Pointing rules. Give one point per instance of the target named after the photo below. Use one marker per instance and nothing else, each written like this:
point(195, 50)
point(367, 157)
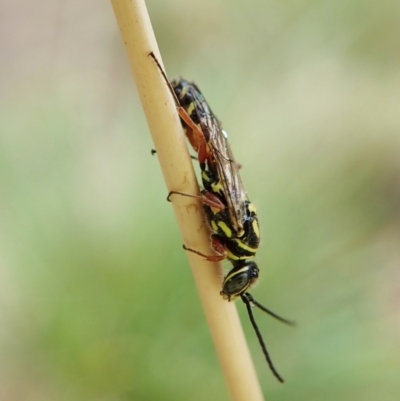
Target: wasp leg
point(183, 194)
point(210, 258)
point(207, 198)
point(195, 135)
point(153, 152)
point(218, 246)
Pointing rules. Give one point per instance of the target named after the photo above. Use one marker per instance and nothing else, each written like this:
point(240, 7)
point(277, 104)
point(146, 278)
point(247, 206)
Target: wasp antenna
point(248, 302)
point(266, 310)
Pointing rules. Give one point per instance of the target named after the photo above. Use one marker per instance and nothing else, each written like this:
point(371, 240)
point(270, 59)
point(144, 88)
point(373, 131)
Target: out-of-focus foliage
point(96, 298)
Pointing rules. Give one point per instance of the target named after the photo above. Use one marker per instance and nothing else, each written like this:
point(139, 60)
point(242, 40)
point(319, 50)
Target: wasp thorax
point(239, 280)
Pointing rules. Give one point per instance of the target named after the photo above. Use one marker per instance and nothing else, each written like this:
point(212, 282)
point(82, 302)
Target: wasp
point(229, 212)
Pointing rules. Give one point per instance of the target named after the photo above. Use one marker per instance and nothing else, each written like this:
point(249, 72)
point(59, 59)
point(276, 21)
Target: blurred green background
point(96, 298)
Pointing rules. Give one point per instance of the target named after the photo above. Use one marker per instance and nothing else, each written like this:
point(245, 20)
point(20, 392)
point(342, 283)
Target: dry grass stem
point(177, 168)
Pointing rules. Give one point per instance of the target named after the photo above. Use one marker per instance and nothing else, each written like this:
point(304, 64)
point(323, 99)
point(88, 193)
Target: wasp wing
point(228, 173)
point(220, 160)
